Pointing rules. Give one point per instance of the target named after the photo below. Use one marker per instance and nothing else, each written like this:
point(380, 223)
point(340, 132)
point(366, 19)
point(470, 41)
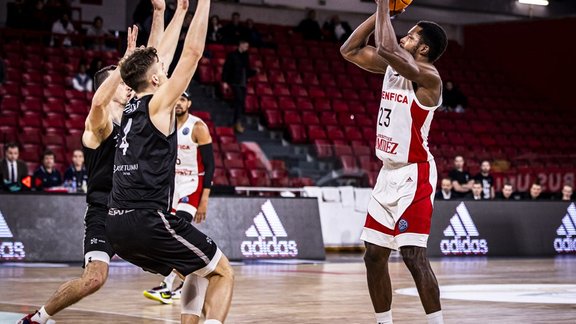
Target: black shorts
point(159, 242)
point(95, 239)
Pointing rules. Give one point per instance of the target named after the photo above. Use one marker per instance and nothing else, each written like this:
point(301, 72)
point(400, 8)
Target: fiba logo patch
point(184, 200)
point(402, 225)
point(186, 131)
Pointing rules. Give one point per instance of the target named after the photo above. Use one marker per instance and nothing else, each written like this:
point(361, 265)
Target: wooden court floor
point(332, 292)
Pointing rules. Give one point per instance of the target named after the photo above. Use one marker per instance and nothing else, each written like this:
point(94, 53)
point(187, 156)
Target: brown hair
point(135, 67)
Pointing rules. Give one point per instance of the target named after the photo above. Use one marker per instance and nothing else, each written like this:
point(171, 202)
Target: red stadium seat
point(32, 90)
point(32, 104)
point(273, 119)
point(323, 148)
point(238, 177)
point(348, 163)
point(316, 132)
point(286, 103)
point(268, 103)
point(310, 118)
point(279, 178)
point(297, 134)
point(328, 118)
point(259, 178)
point(292, 117)
point(231, 147)
point(254, 163)
point(340, 150)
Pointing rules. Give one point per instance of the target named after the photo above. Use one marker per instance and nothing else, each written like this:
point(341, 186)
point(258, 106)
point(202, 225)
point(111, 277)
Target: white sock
point(435, 318)
point(169, 281)
point(212, 321)
point(384, 318)
point(41, 316)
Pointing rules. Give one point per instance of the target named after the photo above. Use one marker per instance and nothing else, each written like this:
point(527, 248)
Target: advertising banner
point(46, 228)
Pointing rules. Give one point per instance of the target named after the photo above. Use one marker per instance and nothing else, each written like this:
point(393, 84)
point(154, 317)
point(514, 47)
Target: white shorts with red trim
point(187, 193)
point(400, 209)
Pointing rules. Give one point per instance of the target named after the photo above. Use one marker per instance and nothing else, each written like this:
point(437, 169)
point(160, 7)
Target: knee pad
point(193, 294)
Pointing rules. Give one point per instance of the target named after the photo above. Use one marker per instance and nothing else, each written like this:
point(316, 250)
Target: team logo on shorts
point(402, 225)
point(184, 200)
point(186, 131)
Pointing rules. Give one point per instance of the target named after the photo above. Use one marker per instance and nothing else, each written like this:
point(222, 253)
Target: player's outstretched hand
point(131, 40)
point(183, 5)
point(159, 5)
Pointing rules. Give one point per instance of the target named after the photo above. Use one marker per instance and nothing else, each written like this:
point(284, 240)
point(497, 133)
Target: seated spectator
point(309, 27)
point(63, 26)
point(486, 179)
point(12, 170)
point(535, 191)
point(477, 191)
point(453, 99)
point(234, 31)
point(46, 176)
point(338, 30)
point(82, 81)
point(253, 36)
point(446, 190)
point(96, 65)
point(567, 192)
point(214, 34)
point(461, 180)
point(76, 177)
point(98, 34)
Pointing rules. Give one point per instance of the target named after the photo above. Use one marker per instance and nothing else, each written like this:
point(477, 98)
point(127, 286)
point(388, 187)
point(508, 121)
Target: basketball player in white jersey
point(400, 209)
point(194, 173)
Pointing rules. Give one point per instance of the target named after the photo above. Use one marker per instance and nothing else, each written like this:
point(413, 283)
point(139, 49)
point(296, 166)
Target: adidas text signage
point(462, 236)
point(10, 250)
point(269, 238)
point(566, 240)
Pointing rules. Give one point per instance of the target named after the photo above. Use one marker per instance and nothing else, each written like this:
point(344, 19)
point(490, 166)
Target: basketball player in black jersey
point(140, 226)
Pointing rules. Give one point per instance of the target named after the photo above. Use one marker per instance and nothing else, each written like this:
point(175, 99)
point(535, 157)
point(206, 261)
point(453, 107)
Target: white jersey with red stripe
point(189, 162)
point(403, 123)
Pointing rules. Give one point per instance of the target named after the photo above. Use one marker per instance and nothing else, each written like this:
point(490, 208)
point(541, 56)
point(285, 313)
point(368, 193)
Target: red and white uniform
point(189, 170)
point(400, 209)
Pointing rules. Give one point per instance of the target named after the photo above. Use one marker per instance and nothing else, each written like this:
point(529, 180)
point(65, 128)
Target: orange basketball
point(398, 5)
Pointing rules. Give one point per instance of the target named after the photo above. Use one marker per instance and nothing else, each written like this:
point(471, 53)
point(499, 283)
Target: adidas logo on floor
point(464, 235)
point(566, 242)
point(266, 231)
point(9, 250)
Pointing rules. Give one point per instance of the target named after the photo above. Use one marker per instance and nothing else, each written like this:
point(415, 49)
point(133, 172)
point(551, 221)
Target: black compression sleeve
point(207, 154)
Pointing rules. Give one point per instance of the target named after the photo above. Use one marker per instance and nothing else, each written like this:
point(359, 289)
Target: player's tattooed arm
point(157, 29)
point(169, 41)
point(357, 50)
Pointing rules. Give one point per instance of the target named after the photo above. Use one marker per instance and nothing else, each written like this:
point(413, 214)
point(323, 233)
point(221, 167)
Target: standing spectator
point(214, 30)
point(63, 26)
point(461, 180)
point(309, 27)
point(486, 179)
point(234, 31)
point(567, 192)
point(252, 34)
point(453, 99)
point(235, 75)
point(535, 191)
point(338, 30)
point(506, 193)
point(12, 170)
point(46, 176)
point(76, 177)
point(82, 81)
point(477, 191)
point(36, 17)
point(98, 35)
point(446, 190)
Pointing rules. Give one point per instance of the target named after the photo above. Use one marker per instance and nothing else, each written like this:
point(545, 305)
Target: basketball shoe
point(28, 320)
point(178, 292)
point(159, 294)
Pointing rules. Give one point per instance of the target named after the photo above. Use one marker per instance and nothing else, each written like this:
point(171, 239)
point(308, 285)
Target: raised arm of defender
point(357, 50)
point(157, 29)
point(169, 40)
point(162, 103)
point(98, 125)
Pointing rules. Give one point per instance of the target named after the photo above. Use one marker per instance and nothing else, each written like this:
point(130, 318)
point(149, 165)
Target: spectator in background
point(46, 176)
point(234, 31)
point(535, 191)
point(567, 192)
point(96, 65)
point(461, 180)
point(63, 26)
point(76, 177)
point(82, 81)
point(98, 34)
point(36, 17)
point(252, 34)
point(16, 14)
point(309, 27)
point(214, 30)
point(453, 99)
point(486, 179)
point(338, 30)
point(506, 193)
point(446, 190)
point(235, 75)
point(12, 170)
point(477, 191)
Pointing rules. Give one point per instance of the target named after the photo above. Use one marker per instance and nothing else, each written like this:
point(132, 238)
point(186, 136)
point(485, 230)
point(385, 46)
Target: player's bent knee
point(414, 256)
point(375, 254)
point(224, 269)
point(95, 276)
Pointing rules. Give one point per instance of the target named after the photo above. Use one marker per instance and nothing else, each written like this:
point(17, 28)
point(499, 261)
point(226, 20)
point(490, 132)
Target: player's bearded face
point(181, 107)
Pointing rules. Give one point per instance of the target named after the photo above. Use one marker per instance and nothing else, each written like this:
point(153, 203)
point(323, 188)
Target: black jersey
point(144, 166)
point(99, 165)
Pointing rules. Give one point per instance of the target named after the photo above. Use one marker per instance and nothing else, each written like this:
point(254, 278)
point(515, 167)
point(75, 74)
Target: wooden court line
point(98, 312)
